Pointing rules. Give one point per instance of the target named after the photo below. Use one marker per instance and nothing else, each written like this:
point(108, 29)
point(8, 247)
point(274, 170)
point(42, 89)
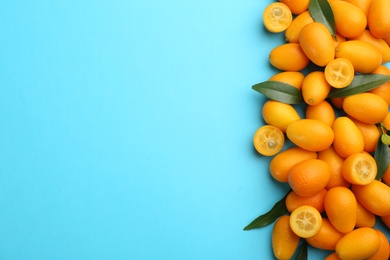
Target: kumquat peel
point(327, 128)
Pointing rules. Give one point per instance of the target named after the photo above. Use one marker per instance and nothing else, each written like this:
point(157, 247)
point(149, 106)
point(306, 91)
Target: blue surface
point(126, 130)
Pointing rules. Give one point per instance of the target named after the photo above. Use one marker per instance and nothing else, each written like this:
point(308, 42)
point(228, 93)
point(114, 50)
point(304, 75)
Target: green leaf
point(382, 157)
point(279, 91)
point(302, 251)
point(385, 139)
point(359, 84)
point(278, 210)
point(321, 11)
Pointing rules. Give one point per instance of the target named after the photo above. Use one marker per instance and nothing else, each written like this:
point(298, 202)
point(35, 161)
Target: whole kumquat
point(310, 134)
point(374, 196)
point(317, 43)
point(360, 243)
point(349, 19)
point(341, 208)
point(315, 88)
point(309, 177)
point(289, 57)
point(381, 44)
point(347, 137)
point(364, 56)
point(279, 114)
point(379, 19)
point(366, 107)
point(284, 240)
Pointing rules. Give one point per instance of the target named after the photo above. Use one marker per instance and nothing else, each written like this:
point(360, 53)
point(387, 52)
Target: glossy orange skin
point(383, 251)
point(349, 19)
point(317, 43)
point(347, 137)
point(294, 201)
point(335, 162)
point(293, 78)
point(364, 217)
point(374, 196)
point(370, 135)
point(379, 18)
point(293, 31)
point(364, 56)
point(366, 107)
point(284, 240)
point(297, 6)
point(327, 237)
point(315, 88)
point(279, 114)
point(288, 57)
point(360, 243)
point(323, 112)
point(341, 208)
point(309, 177)
point(310, 134)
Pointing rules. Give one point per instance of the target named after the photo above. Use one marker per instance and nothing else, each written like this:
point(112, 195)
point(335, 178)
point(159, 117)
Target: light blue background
point(126, 129)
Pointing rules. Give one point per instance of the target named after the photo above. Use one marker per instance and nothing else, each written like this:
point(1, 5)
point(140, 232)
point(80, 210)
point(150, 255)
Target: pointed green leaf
point(359, 84)
point(382, 157)
point(278, 210)
point(321, 11)
point(279, 91)
point(302, 251)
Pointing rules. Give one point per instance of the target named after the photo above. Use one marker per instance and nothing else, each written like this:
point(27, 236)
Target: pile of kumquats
point(333, 65)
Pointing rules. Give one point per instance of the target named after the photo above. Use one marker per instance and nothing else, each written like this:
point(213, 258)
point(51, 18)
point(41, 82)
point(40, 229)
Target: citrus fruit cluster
point(330, 101)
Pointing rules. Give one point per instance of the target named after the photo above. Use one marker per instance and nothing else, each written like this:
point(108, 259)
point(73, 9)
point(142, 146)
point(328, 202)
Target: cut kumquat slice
point(339, 73)
point(305, 221)
point(359, 168)
point(277, 17)
point(268, 140)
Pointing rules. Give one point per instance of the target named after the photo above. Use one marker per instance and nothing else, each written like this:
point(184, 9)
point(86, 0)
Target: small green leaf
point(382, 157)
point(302, 251)
point(279, 91)
point(359, 84)
point(321, 11)
point(278, 210)
point(385, 139)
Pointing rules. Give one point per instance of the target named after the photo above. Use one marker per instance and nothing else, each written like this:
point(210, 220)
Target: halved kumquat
point(268, 140)
point(305, 221)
